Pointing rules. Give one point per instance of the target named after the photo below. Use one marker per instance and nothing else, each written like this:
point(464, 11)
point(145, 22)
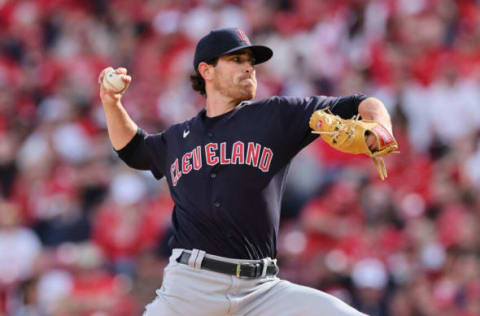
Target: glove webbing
point(349, 132)
point(340, 127)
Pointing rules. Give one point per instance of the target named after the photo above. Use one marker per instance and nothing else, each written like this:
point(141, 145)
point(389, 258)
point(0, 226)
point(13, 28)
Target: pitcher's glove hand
point(350, 136)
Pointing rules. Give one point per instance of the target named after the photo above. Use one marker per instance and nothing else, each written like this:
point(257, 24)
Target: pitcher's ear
point(205, 70)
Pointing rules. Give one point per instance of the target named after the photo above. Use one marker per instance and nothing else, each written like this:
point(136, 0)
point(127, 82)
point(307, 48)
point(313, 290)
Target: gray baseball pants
point(190, 290)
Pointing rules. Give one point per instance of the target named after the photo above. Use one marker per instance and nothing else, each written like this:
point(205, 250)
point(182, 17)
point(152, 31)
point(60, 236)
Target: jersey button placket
point(213, 175)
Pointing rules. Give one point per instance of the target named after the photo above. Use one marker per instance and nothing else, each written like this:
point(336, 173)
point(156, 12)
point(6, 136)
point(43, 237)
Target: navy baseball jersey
point(227, 173)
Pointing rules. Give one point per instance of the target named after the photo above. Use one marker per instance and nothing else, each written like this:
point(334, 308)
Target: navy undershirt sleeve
point(293, 114)
point(346, 107)
point(145, 152)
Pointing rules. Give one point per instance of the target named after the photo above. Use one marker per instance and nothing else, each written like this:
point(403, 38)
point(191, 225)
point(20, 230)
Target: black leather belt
point(241, 270)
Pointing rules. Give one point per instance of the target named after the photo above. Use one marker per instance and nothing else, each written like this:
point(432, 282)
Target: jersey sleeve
point(145, 152)
point(294, 114)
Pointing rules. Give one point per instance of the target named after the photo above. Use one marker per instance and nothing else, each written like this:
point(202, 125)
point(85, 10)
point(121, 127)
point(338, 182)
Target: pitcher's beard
point(242, 94)
point(249, 89)
point(241, 91)
point(247, 94)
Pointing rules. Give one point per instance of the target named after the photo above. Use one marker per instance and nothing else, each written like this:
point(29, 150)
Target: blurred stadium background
point(82, 234)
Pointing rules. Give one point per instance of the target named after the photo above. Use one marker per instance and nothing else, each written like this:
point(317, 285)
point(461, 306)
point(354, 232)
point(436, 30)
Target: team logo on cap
point(243, 36)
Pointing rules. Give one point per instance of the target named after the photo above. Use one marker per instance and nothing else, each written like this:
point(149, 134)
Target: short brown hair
point(197, 81)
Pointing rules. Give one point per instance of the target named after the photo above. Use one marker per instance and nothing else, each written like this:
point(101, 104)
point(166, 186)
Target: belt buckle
point(239, 269)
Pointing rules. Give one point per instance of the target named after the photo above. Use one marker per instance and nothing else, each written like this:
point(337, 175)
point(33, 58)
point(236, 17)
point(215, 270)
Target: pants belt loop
point(193, 257)
point(198, 260)
point(265, 265)
point(176, 253)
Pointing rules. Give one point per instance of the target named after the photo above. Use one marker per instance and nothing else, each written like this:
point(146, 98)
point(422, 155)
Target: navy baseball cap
point(221, 42)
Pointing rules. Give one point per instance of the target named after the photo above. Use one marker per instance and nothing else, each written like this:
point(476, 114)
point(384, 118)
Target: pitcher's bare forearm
point(121, 128)
point(373, 109)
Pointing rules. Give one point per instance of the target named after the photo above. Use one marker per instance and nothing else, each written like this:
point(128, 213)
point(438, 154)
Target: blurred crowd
point(82, 234)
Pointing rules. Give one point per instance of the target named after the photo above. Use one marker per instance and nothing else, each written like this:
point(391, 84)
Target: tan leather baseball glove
point(350, 135)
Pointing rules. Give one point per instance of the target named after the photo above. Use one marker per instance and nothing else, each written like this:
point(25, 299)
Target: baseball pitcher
point(226, 169)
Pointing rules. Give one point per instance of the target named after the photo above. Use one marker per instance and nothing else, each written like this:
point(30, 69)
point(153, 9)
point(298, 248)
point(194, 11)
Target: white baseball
point(114, 82)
